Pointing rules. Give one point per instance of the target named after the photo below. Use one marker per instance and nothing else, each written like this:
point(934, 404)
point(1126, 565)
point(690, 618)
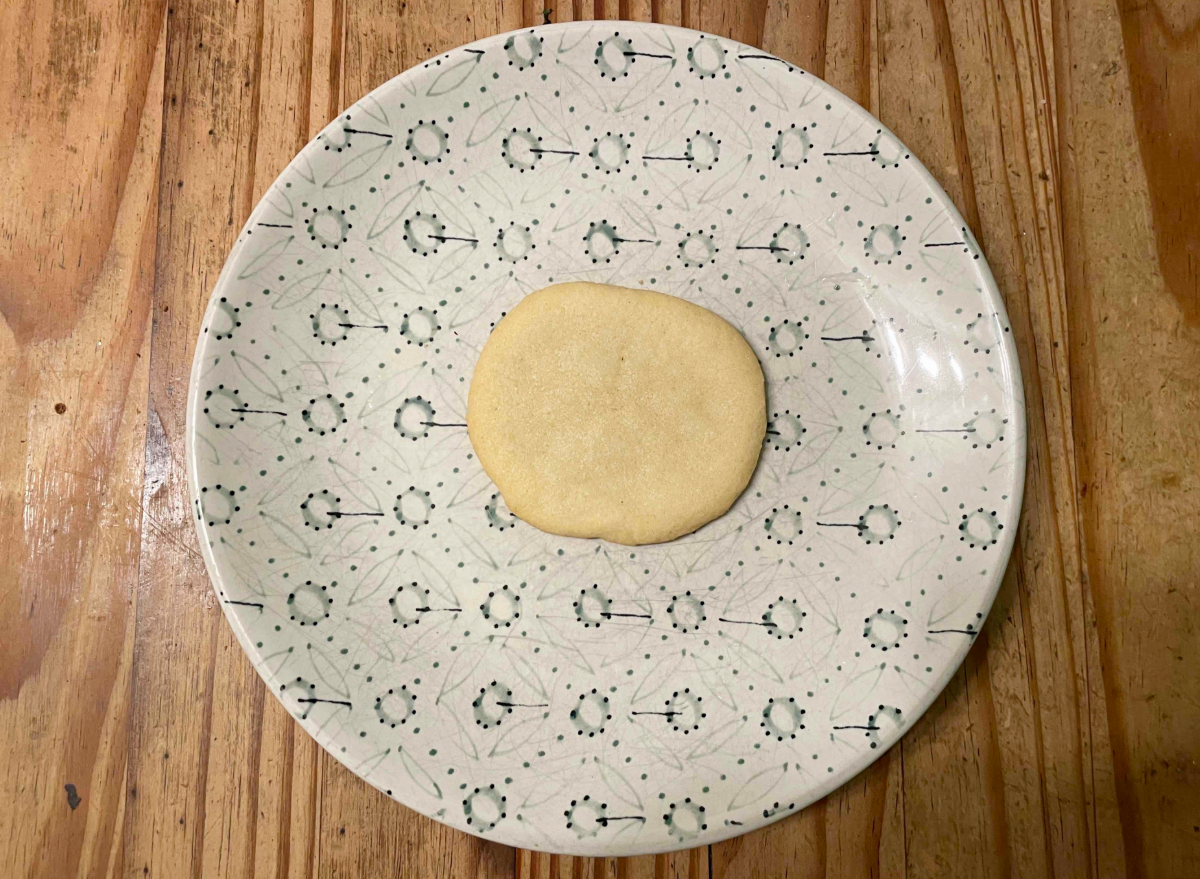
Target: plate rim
point(1012, 384)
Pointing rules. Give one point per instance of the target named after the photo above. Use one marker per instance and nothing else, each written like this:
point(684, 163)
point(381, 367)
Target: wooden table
point(136, 739)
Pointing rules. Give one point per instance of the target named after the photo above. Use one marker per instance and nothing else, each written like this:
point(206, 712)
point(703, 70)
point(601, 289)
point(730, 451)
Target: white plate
point(574, 695)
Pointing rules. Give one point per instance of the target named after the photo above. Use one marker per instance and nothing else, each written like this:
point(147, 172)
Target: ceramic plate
point(576, 695)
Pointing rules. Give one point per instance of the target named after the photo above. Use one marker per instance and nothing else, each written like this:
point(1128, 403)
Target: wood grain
point(141, 135)
point(76, 279)
point(1135, 357)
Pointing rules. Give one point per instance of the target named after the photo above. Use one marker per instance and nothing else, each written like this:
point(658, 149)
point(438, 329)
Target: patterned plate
point(575, 695)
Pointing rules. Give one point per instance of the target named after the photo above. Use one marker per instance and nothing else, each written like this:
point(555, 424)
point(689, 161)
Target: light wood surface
point(137, 741)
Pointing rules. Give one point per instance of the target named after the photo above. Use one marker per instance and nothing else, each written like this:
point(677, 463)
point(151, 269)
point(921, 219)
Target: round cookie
point(624, 414)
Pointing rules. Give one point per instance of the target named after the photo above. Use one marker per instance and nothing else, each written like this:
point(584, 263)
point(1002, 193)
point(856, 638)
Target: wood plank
point(797, 32)
point(1135, 368)
point(795, 845)
point(689, 864)
point(738, 21)
point(1161, 43)
point(849, 60)
point(76, 272)
point(194, 741)
point(325, 69)
point(669, 12)
point(582, 10)
point(386, 839)
point(637, 10)
point(864, 823)
point(559, 10)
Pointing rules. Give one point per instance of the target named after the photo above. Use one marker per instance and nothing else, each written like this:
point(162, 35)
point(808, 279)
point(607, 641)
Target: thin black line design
point(862, 338)
point(604, 819)
point(666, 158)
point(257, 604)
point(523, 705)
point(556, 152)
point(658, 713)
point(854, 153)
point(945, 243)
point(633, 240)
point(958, 631)
point(852, 726)
point(340, 515)
point(442, 424)
point(453, 238)
point(275, 225)
point(762, 58)
point(311, 701)
point(636, 616)
point(644, 55)
point(768, 625)
point(859, 525)
point(770, 247)
point(260, 411)
point(363, 131)
point(364, 326)
point(945, 430)
point(474, 51)
point(439, 609)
